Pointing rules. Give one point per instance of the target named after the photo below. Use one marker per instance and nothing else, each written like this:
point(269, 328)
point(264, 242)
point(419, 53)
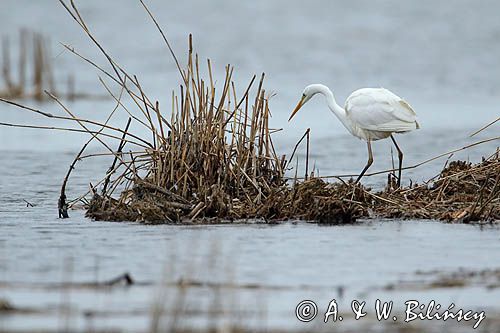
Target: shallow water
point(252, 272)
point(443, 59)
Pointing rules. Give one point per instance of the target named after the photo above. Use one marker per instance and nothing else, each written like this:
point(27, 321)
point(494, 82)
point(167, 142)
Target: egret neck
point(332, 104)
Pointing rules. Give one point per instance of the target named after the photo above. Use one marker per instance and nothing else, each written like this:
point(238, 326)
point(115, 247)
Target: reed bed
point(211, 159)
point(462, 192)
point(43, 77)
point(213, 156)
point(35, 71)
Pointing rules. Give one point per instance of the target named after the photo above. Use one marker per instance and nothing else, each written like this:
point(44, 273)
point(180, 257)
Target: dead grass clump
point(212, 157)
point(462, 192)
point(330, 203)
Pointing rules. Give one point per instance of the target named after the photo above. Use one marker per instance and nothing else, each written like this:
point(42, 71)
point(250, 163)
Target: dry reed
point(35, 62)
point(463, 192)
point(213, 157)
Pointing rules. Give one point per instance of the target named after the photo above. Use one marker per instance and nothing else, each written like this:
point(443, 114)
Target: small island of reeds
point(209, 157)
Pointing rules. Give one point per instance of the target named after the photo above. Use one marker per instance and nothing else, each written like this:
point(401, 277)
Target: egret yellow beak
point(297, 108)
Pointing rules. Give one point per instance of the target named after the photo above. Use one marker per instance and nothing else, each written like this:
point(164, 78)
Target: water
point(443, 59)
point(252, 269)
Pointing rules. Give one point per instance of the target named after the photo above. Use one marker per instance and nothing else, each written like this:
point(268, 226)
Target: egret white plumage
point(369, 114)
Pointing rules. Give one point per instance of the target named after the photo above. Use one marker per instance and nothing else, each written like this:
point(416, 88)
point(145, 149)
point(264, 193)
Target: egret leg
point(400, 156)
point(369, 163)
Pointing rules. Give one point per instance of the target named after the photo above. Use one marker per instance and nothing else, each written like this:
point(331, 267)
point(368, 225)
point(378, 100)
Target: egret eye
point(303, 95)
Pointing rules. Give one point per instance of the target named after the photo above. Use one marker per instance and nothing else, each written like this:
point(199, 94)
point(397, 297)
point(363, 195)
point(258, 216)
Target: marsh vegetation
point(209, 157)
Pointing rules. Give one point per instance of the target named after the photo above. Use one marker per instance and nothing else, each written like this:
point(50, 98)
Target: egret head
point(307, 94)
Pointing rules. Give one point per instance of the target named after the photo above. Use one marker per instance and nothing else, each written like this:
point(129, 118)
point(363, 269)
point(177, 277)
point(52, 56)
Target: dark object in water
point(124, 278)
point(5, 306)
point(62, 207)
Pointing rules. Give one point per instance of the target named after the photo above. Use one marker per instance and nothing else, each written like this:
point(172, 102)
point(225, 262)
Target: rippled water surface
point(442, 57)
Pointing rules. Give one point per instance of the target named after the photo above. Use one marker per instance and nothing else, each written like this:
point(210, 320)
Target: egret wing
point(380, 110)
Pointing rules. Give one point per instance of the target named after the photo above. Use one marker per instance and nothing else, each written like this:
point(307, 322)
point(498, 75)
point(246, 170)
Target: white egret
point(369, 114)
